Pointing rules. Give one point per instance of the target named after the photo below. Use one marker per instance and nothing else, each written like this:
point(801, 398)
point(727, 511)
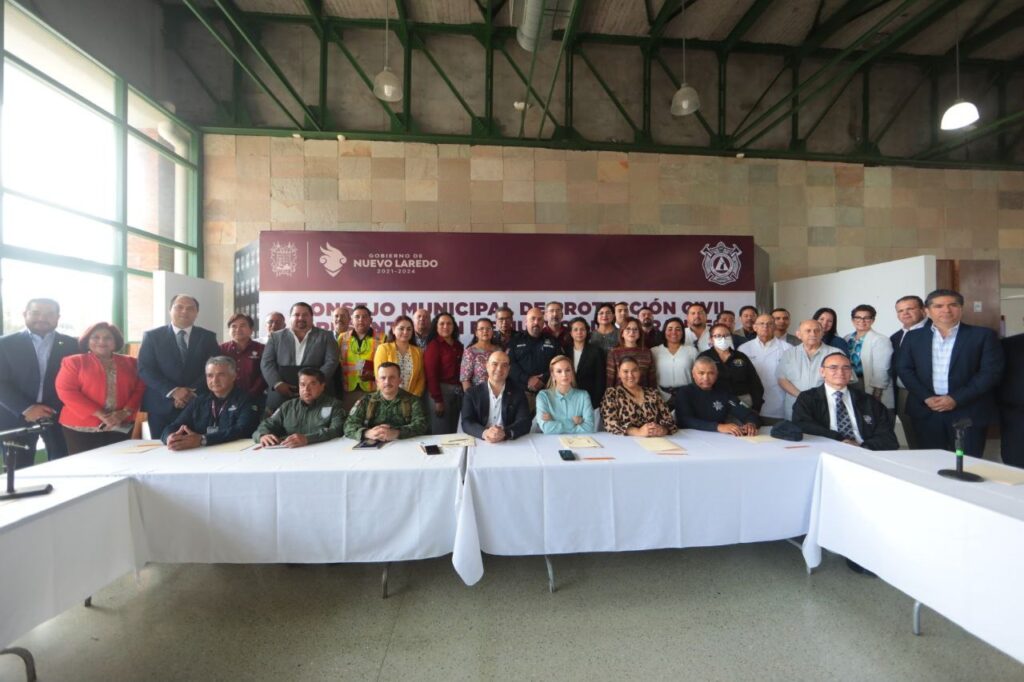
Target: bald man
point(799, 366)
point(530, 351)
point(495, 410)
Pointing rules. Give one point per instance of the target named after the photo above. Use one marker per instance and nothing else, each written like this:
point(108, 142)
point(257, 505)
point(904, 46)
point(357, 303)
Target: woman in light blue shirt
point(561, 407)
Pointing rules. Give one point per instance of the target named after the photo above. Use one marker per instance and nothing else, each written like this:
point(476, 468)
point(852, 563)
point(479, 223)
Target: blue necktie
point(182, 344)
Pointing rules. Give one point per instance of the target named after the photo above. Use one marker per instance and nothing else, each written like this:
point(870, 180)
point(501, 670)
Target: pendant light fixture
point(386, 85)
point(962, 113)
point(686, 101)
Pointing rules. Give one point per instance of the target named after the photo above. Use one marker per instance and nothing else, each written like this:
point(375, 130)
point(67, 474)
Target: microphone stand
point(958, 473)
point(10, 457)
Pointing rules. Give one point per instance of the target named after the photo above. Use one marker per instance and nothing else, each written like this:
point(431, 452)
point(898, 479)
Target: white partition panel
point(878, 285)
point(210, 295)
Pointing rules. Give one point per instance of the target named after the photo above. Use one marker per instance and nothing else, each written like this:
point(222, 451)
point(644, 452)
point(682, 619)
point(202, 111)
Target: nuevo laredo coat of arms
point(721, 263)
point(284, 259)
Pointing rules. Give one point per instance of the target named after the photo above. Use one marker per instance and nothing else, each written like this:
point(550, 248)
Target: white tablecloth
point(57, 549)
point(520, 498)
point(323, 503)
point(956, 547)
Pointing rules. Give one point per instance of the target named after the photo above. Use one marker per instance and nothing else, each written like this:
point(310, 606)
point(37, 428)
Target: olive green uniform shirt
point(373, 410)
point(323, 420)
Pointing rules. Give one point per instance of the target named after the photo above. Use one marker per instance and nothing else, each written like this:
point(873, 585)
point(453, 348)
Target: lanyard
point(214, 412)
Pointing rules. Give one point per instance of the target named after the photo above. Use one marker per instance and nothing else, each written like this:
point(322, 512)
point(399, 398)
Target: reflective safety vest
point(351, 353)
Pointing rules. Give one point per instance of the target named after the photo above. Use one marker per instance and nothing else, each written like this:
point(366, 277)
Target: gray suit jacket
point(321, 352)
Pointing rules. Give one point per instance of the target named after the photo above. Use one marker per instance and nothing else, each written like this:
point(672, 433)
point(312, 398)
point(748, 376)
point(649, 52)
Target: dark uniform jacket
point(810, 413)
point(221, 421)
point(705, 410)
point(738, 376)
point(529, 357)
point(476, 411)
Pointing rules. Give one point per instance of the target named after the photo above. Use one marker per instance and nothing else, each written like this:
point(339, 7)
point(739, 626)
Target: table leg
point(384, 581)
point(26, 656)
point(88, 601)
point(799, 545)
point(551, 574)
point(917, 618)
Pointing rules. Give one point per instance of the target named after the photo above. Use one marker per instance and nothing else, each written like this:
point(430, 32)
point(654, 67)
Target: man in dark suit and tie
point(910, 313)
point(494, 410)
point(29, 361)
point(950, 370)
point(839, 411)
point(172, 361)
point(1011, 402)
point(299, 345)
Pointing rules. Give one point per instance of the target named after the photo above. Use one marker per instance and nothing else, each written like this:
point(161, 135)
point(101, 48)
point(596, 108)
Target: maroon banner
point(404, 261)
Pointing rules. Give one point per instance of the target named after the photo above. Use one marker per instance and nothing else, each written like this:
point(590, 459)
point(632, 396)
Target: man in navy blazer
point(172, 363)
point(29, 361)
point(950, 370)
point(910, 313)
point(512, 419)
point(1011, 402)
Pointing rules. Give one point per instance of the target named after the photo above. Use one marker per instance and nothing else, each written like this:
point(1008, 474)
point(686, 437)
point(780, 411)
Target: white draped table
point(57, 549)
point(520, 498)
point(323, 503)
point(956, 547)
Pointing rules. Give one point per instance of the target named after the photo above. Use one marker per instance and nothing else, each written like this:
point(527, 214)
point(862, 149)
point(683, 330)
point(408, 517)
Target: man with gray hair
point(224, 414)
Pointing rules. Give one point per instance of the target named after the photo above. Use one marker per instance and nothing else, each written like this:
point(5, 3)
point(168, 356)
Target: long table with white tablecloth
point(521, 498)
point(956, 547)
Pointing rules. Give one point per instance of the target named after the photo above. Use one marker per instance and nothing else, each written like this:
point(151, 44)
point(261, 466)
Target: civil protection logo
point(332, 259)
point(721, 263)
point(284, 259)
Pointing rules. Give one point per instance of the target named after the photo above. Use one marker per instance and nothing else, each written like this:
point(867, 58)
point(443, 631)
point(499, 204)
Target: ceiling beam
point(745, 23)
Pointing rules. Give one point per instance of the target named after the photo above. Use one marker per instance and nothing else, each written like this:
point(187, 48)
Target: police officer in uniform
point(530, 353)
point(702, 406)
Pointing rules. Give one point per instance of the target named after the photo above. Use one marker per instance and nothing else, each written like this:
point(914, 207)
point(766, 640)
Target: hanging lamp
point(686, 101)
point(962, 113)
point(386, 85)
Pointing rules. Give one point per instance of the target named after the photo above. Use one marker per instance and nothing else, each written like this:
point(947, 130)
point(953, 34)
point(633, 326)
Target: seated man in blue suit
point(495, 410)
point(171, 362)
point(224, 414)
point(842, 412)
point(29, 361)
point(950, 370)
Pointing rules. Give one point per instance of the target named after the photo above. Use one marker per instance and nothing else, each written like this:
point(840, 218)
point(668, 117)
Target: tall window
point(99, 185)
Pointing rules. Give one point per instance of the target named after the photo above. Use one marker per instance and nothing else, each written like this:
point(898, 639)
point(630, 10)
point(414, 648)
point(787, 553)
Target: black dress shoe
point(857, 568)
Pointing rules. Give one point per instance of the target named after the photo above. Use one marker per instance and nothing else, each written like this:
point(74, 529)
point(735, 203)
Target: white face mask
point(722, 344)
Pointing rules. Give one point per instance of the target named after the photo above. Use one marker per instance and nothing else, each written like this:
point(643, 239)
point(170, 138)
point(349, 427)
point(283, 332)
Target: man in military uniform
point(389, 413)
point(313, 417)
point(224, 414)
point(702, 406)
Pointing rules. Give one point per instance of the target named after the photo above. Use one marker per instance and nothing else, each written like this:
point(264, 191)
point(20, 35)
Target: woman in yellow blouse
point(399, 349)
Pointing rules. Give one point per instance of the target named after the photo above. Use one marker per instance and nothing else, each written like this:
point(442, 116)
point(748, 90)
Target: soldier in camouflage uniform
point(389, 413)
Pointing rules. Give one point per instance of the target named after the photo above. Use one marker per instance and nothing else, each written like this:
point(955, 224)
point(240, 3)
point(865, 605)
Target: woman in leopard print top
point(629, 409)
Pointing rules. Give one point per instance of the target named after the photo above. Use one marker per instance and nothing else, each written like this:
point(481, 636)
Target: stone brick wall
point(811, 218)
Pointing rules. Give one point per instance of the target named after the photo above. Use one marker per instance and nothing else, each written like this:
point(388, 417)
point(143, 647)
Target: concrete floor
point(731, 613)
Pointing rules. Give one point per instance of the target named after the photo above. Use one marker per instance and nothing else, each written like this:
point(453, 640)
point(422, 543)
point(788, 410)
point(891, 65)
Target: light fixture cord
point(956, 28)
point(683, 17)
point(387, 30)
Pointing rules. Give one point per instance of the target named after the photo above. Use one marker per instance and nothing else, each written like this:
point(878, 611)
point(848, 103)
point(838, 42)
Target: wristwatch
point(202, 441)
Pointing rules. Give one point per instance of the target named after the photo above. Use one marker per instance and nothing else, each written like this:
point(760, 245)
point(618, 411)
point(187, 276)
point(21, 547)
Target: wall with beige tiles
point(809, 217)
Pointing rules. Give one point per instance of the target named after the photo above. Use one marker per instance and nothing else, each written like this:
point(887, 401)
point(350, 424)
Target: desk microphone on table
point(959, 473)
point(10, 457)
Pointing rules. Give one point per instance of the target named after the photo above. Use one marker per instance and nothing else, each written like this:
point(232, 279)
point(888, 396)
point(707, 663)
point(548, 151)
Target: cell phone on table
point(567, 455)
point(431, 449)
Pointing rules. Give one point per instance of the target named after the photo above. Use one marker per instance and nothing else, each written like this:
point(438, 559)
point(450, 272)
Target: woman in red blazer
point(101, 391)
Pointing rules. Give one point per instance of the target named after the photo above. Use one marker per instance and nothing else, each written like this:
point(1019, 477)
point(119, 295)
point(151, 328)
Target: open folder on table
point(578, 442)
point(139, 448)
point(661, 446)
point(761, 438)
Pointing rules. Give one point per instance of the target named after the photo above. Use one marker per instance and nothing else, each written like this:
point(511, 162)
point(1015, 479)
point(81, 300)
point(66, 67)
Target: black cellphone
point(431, 449)
point(567, 455)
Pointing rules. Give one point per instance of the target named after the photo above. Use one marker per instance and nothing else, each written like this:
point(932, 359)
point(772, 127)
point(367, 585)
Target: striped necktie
point(843, 424)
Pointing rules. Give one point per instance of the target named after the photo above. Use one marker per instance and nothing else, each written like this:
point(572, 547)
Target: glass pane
point(56, 149)
point(157, 193)
point(84, 297)
point(139, 311)
point(35, 226)
point(157, 126)
point(25, 38)
point(145, 254)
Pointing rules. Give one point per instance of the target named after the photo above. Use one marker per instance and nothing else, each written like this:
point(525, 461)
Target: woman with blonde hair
point(561, 407)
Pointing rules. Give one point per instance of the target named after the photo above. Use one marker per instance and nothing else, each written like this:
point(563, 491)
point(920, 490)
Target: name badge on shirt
point(211, 429)
point(232, 408)
point(868, 419)
point(325, 412)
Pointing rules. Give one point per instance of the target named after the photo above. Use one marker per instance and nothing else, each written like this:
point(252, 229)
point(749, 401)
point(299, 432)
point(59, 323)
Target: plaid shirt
point(942, 352)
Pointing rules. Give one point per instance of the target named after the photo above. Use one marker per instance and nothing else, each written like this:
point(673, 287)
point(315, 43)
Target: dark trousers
point(913, 442)
point(935, 432)
point(53, 439)
point(1012, 429)
point(80, 441)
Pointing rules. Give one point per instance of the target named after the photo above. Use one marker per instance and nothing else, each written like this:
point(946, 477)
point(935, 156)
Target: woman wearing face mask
point(631, 344)
point(736, 373)
point(561, 407)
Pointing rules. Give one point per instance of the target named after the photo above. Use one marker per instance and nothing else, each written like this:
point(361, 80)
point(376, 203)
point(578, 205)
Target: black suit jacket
point(476, 410)
point(810, 413)
point(897, 340)
point(19, 375)
point(162, 369)
point(975, 368)
point(1011, 391)
point(590, 375)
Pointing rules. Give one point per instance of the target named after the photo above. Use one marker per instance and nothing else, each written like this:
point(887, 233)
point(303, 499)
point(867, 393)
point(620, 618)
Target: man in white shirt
point(765, 351)
point(697, 332)
point(494, 410)
point(288, 350)
point(798, 366)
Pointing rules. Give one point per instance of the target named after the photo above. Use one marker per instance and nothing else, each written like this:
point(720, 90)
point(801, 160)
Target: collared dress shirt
point(765, 357)
point(830, 393)
point(802, 371)
point(942, 353)
point(562, 408)
point(43, 345)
